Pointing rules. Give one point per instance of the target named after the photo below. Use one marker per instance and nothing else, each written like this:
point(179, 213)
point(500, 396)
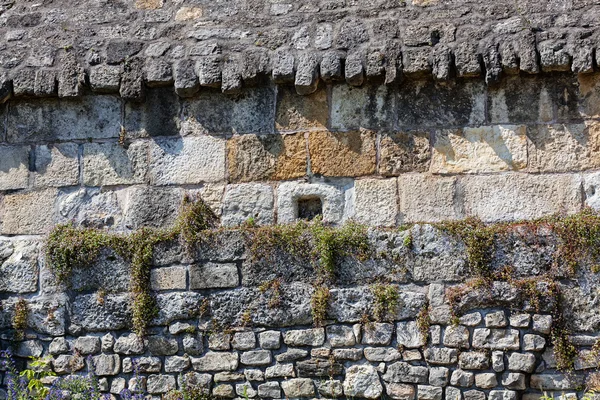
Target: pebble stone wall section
point(389, 112)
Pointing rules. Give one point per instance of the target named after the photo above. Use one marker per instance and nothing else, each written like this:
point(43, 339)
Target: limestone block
point(441, 356)
point(520, 196)
point(400, 391)
point(562, 148)
point(113, 313)
point(377, 334)
point(298, 388)
point(211, 275)
point(474, 360)
point(430, 104)
point(496, 339)
point(19, 266)
point(29, 348)
point(409, 335)
point(405, 151)
point(159, 384)
point(56, 165)
point(87, 344)
point(107, 364)
point(177, 363)
point(256, 358)
point(427, 198)
point(496, 320)
point(479, 150)
point(362, 381)
point(243, 340)
point(361, 107)
point(589, 95)
point(429, 392)
point(512, 380)
point(462, 378)
point(188, 160)
point(162, 346)
point(14, 172)
point(270, 340)
point(342, 154)
point(382, 354)
point(273, 157)
point(486, 380)
point(376, 202)
point(95, 117)
point(301, 113)
point(520, 320)
point(30, 213)
point(340, 336)
point(169, 278)
point(305, 337)
point(456, 336)
point(90, 207)
point(176, 305)
point(66, 364)
point(439, 376)
point(107, 164)
point(270, 390)
point(332, 195)
point(157, 115)
point(105, 78)
point(213, 361)
point(244, 201)
point(149, 206)
point(253, 111)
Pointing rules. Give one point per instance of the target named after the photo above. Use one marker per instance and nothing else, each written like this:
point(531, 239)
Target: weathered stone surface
point(520, 320)
point(427, 198)
point(29, 348)
point(298, 388)
point(456, 336)
point(112, 164)
point(342, 154)
point(168, 278)
point(429, 392)
point(502, 395)
point(402, 372)
point(516, 196)
point(213, 361)
point(256, 358)
point(401, 152)
point(248, 201)
point(496, 339)
point(365, 107)
point(58, 346)
point(177, 364)
point(305, 337)
point(462, 378)
point(399, 391)
point(212, 275)
point(542, 323)
point(378, 334)
point(340, 336)
point(515, 381)
point(44, 120)
point(14, 173)
point(521, 362)
point(28, 213)
point(188, 160)
point(486, 380)
point(112, 314)
point(107, 364)
point(56, 165)
point(66, 364)
point(362, 381)
point(332, 196)
point(270, 340)
point(129, 344)
point(162, 346)
point(19, 266)
point(533, 343)
point(158, 384)
point(89, 207)
point(87, 344)
point(554, 381)
point(439, 376)
point(296, 113)
point(474, 360)
point(480, 150)
point(496, 320)
point(176, 305)
point(382, 354)
point(409, 335)
point(376, 202)
point(276, 157)
point(441, 356)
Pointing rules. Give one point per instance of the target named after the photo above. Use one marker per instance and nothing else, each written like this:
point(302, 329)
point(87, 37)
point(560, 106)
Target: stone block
point(169, 278)
point(429, 104)
point(400, 391)
point(19, 266)
point(382, 354)
point(377, 334)
point(243, 340)
point(298, 388)
point(113, 313)
point(14, 173)
point(301, 113)
point(520, 320)
point(554, 381)
point(87, 344)
point(270, 157)
point(429, 392)
point(533, 343)
point(502, 395)
point(66, 364)
point(90, 207)
point(248, 201)
point(188, 160)
point(362, 381)
point(29, 348)
point(511, 380)
point(213, 361)
point(462, 378)
point(471, 319)
point(439, 376)
point(409, 335)
point(427, 198)
point(521, 362)
point(406, 151)
point(56, 165)
point(162, 346)
point(305, 337)
point(342, 154)
point(564, 147)
point(270, 390)
point(332, 196)
point(441, 356)
point(331, 388)
point(107, 364)
point(88, 117)
point(211, 275)
point(486, 380)
point(496, 339)
point(149, 206)
point(520, 196)
point(376, 202)
point(496, 320)
point(340, 336)
point(370, 107)
point(456, 336)
point(256, 358)
point(30, 213)
point(474, 360)
point(176, 305)
point(106, 164)
point(251, 111)
point(157, 115)
point(160, 384)
point(479, 150)
point(270, 340)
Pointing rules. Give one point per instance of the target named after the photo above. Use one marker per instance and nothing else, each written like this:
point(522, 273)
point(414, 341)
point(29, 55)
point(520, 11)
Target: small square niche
point(309, 207)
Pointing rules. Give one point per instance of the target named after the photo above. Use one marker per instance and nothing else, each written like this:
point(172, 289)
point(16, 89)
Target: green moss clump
point(274, 286)
point(385, 302)
point(424, 323)
point(319, 303)
point(195, 217)
point(19, 320)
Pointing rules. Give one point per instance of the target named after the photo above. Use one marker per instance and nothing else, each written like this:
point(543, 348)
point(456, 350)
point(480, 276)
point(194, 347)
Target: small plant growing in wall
point(385, 302)
point(19, 321)
point(319, 303)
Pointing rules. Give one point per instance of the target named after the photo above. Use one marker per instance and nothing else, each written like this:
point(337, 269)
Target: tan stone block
point(169, 278)
point(563, 148)
point(342, 154)
point(589, 93)
point(56, 165)
point(479, 150)
point(404, 152)
point(376, 202)
point(148, 4)
point(271, 157)
point(14, 167)
point(295, 112)
point(515, 196)
point(188, 13)
point(427, 198)
point(30, 213)
point(113, 164)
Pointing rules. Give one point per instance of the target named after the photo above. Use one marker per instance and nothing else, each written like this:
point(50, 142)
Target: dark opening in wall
point(309, 207)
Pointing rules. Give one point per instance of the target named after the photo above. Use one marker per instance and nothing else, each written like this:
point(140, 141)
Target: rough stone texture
point(276, 157)
point(212, 275)
point(14, 173)
point(342, 154)
point(56, 165)
point(297, 113)
point(248, 201)
point(112, 164)
point(178, 161)
point(332, 196)
point(401, 152)
point(428, 198)
point(376, 202)
point(28, 213)
point(362, 381)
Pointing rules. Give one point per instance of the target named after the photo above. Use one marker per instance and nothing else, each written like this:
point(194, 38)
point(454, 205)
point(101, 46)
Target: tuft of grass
point(385, 302)
point(424, 323)
point(19, 320)
point(319, 303)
